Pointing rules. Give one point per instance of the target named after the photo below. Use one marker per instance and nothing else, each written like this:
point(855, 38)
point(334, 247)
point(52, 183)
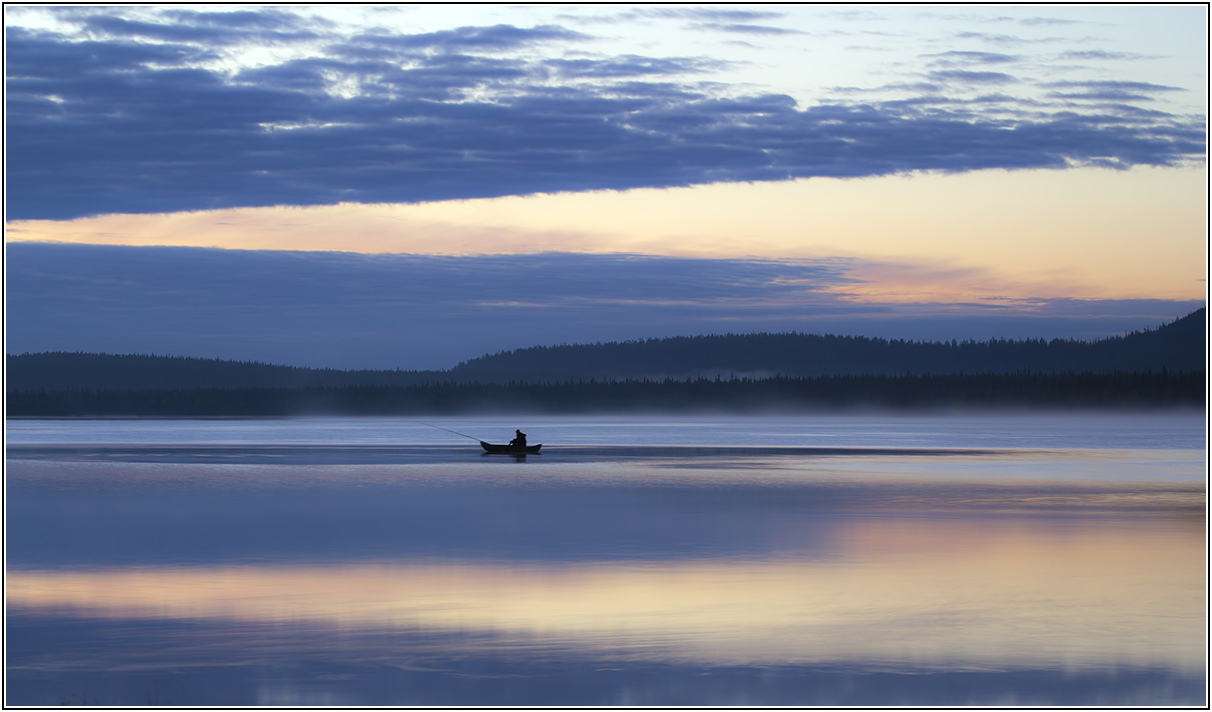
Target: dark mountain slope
point(1114, 391)
point(1179, 345)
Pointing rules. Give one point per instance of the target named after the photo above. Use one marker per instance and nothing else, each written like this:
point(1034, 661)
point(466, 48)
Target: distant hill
point(60, 371)
point(1178, 346)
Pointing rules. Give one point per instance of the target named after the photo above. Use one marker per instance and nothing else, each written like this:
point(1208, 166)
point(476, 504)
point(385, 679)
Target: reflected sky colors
point(960, 564)
point(903, 172)
point(951, 595)
point(1172, 430)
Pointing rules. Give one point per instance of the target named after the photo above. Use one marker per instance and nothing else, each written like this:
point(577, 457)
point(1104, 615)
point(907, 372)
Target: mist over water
point(817, 560)
point(1163, 429)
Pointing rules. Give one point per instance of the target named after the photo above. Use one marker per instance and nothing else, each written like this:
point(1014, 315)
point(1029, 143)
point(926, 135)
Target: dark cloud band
point(406, 311)
point(125, 124)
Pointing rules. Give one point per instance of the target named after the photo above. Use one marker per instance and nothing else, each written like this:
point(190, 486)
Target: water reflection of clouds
point(61, 515)
point(1029, 577)
point(963, 594)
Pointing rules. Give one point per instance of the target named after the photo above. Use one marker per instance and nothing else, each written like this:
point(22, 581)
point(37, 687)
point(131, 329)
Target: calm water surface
point(1026, 559)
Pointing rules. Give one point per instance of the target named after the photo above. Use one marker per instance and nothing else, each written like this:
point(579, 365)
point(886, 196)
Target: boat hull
point(510, 449)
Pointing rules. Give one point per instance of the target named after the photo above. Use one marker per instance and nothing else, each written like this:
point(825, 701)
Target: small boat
point(511, 449)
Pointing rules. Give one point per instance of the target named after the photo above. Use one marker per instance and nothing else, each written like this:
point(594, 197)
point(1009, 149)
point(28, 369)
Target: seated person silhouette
point(520, 440)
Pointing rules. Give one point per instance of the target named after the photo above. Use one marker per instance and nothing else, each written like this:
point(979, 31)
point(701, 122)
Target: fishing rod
point(439, 427)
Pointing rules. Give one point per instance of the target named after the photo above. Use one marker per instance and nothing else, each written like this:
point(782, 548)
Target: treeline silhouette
point(1175, 346)
point(1178, 346)
point(1071, 390)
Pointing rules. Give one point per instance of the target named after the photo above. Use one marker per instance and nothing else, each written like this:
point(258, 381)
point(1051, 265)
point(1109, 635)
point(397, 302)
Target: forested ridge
point(1088, 390)
point(1178, 346)
point(1161, 367)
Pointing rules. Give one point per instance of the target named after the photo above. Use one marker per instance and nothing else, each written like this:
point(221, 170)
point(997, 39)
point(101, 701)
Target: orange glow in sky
point(1081, 233)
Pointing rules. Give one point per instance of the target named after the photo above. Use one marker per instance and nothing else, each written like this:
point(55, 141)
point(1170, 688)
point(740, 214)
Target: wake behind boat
point(510, 449)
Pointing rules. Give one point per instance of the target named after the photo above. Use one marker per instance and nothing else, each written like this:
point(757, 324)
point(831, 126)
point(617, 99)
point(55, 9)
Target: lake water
point(844, 560)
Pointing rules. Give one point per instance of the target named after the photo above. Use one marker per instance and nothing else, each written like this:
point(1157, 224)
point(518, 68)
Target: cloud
point(712, 14)
point(351, 310)
point(1115, 85)
point(1105, 91)
point(119, 125)
point(631, 66)
point(956, 75)
point(744, 28)
point(399, 281)
point(1101, 95)
point(1096, 54)
point(496, 37)
point(957, 57)
point(1003, 39)
point(1033, 21)
point(223, 28)
point(383, 310)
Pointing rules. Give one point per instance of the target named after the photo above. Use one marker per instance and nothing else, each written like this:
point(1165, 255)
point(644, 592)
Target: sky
point(409, 187)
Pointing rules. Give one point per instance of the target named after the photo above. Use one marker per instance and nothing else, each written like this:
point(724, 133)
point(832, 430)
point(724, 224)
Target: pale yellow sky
point(1084, 233)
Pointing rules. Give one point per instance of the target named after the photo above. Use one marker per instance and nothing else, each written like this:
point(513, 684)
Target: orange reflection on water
point(1002, 592)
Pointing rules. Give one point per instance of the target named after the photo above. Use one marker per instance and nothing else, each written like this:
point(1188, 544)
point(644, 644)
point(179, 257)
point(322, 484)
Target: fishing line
point(439, 427)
